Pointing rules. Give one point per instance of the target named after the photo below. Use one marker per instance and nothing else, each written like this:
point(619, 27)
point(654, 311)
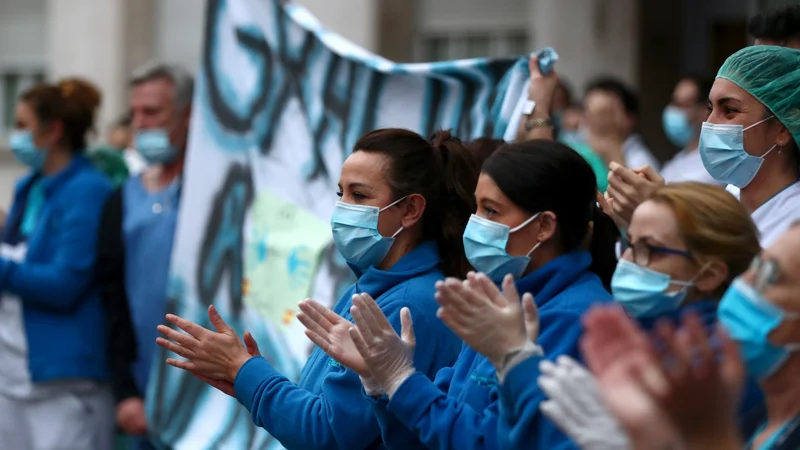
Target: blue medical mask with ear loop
point(356, 235)
point(26, 152)
point(485, 246)
point(676, 126)
point(723, 155)
point(749, 319)
point(154, 146)
point(642, 291)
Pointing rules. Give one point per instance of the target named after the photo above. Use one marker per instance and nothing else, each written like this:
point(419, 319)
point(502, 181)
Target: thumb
point(251, 344)
point(407, 328)
point(217, 321)
point(531, 317)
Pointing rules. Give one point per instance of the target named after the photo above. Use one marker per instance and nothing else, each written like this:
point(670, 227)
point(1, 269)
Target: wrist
point(395, 384)
point(513, 357)
point(372, 387)
point(233, 370)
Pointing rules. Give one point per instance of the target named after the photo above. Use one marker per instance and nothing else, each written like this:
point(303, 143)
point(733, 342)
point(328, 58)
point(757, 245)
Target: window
point(13, 82)
point(473, 44)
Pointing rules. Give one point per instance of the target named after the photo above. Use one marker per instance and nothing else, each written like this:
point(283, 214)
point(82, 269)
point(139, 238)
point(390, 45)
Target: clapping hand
point(491, 322)
point(215, 355)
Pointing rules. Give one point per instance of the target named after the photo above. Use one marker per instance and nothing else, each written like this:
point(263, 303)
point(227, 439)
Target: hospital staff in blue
point(535, 203)
point(404, 203)
point(54, 373)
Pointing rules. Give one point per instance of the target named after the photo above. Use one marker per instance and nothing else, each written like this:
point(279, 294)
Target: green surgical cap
point(771, 75)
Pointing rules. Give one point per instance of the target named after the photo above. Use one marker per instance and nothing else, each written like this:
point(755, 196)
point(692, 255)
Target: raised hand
point(491, 322)
point(226, 387)
point(576, 406)
point(390, 357)
point(217, 355)
point(331, 333)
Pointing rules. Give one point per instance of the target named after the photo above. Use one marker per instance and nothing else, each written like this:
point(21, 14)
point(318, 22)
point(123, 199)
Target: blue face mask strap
point(392, 204)
point(758, 123)
point(389, 206)
point(524, 224)
point(690, 283)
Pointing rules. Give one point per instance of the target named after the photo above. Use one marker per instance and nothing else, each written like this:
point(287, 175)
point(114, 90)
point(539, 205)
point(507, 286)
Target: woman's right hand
point(331, 332)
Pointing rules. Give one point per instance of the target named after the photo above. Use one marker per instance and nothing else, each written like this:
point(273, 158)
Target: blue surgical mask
point(23, 148)
point(676, 126)
point(355, 233)
point(485, 246)
point(749, 319)
point(723, 154)
point(642, 291)
point(154, 146)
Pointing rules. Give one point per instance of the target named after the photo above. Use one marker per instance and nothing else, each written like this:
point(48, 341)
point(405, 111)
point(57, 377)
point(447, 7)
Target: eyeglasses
point(642, 251)
point(767, 272)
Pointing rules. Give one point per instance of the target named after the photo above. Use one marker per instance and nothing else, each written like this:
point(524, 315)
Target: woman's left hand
point(216, 355)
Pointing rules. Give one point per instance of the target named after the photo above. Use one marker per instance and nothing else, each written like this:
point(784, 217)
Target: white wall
point(178, 31)
point(460, 15)
point(592, 37)
point(355, 20)
point(22, 32)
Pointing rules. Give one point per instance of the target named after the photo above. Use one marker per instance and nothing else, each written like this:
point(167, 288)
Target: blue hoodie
point(521, 395)
point(325, 409)
point(460, 408)
point(62, 311)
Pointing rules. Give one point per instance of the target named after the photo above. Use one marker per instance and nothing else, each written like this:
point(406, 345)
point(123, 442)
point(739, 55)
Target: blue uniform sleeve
point(338, 417)
point(300, 419)
point(395, 434)
point(62, 283)
point(442, 422)
point(521, 425)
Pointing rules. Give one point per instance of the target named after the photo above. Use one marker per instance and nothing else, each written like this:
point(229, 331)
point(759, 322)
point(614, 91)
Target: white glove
point(371, 387)
point(389, 357)
point(575, 405)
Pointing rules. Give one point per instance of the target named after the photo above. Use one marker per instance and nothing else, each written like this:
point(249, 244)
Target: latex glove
point(390, 358)
point(490, 322)
point(331, 333)
point(576, 406)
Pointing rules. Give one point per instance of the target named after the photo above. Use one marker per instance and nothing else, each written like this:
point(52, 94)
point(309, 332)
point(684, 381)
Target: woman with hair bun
point(53, 391)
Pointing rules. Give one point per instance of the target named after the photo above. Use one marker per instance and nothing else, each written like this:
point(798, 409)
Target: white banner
point(279, 103)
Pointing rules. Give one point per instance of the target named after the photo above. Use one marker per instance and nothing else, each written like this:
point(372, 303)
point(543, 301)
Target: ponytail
point(605, 235)
point(444, 172)
point(460, 170)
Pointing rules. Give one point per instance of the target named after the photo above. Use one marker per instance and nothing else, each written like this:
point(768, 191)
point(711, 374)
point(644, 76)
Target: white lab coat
point(687, 166)
point(775, 216)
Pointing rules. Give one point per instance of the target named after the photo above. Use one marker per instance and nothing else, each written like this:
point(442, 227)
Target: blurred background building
point(649, 44)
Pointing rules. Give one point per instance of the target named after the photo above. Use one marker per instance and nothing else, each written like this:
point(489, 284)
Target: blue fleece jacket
point(460, 408)
point(62, 311)
point(520, 392)
point(325, 410)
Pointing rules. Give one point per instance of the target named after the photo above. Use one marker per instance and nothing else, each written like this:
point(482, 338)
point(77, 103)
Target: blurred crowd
point(563, 290)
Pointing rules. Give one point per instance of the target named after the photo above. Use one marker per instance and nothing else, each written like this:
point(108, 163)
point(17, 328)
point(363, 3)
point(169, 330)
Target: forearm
point(442, 422)
point(300, 419)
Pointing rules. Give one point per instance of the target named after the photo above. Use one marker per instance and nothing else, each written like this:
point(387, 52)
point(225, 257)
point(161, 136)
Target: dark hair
point(444, 172)
point(704, 85)
point(544, 175)
point(616, 87)
point(72, 101)
point(483, 148)
point(781, 23)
